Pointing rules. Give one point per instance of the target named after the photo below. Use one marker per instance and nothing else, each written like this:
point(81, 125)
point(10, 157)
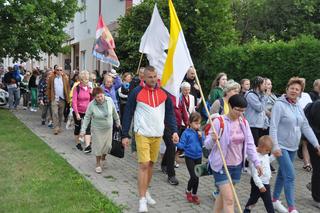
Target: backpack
point(207, 127)
point(17, 75)
point(206, 152)
point(221, 108)
point(76, 86)
point(204, 113)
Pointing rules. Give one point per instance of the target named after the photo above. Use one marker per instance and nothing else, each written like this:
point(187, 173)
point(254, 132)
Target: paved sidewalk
point(119, 180)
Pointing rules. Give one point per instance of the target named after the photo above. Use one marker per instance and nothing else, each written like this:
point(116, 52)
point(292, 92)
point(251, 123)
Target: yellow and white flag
point(178, 60)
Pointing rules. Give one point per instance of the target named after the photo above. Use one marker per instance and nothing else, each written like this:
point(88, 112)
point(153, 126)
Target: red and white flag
point(103, 48)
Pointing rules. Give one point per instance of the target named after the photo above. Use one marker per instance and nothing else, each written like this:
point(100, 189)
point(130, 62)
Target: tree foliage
point(276, 19)
point(276, 60)
point(207, 26)
point(29, 27)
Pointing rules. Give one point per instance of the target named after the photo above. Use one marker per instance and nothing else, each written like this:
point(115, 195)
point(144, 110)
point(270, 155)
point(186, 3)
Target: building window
point(84, 11)
point(83, 60)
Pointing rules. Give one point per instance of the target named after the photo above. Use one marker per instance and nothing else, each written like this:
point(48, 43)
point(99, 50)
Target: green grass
point(33, 178)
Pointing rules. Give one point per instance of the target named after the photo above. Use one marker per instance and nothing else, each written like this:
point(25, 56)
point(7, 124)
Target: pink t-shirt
point(234, 154)
point(81, 101)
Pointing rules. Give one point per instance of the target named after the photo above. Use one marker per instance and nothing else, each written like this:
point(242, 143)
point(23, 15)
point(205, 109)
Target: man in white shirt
point(58, 94)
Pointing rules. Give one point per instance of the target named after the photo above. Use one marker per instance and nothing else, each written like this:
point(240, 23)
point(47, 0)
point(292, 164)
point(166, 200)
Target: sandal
point(98, 170)
point(307, 167)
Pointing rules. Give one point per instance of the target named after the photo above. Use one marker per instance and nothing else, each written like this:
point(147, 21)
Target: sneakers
point(50, 125)
point(79, 147)
point(33, 109)
point(143, 205)
point(87, 149)
point(173, 180)
point(176, 165)
point(43, 123)
point(279, 207)
point(164, 169)
point(189, 197)
point(195, 199)
point(294, 211)
point(150, 201)
point(98, 170)
point(215, 194)
point(246, 210)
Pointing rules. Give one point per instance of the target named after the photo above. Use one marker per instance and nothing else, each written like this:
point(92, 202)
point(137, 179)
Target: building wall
point(82, 35)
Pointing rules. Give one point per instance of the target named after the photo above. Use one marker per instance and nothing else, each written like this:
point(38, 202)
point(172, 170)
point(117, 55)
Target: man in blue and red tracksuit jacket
point(151, 108)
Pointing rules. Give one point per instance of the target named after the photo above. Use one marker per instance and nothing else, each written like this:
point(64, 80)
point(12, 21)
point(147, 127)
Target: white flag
point(155, 41)
point(178, 60)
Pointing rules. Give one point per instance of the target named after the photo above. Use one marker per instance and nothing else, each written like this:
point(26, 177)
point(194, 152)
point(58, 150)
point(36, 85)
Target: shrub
point(278, 61)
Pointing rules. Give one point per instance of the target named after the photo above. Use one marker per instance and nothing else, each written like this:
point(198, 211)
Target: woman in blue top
point(191, 142)
point(286, 125)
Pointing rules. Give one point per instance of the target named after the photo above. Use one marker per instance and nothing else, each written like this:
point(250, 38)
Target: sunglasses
point(59, 69)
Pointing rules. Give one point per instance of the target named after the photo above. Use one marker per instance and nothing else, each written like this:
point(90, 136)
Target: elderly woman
point(102, 113)
point(286, 125)
point(236, 142)
point(221, 105)
point(186, 104)
point(93, 80)
point(256, 112)
point(112, 82)
point(81, 97)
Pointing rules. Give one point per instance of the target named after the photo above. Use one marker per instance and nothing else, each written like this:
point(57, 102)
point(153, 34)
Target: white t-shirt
point(304, 99)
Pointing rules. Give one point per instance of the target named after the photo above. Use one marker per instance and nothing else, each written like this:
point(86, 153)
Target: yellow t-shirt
point(225, 107)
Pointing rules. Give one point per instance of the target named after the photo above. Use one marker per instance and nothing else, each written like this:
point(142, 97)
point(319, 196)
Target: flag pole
point(140, 63)
point(218, 144)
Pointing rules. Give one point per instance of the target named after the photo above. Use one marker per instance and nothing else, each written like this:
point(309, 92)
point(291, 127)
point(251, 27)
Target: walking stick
point(218, 144)
point(139, 63)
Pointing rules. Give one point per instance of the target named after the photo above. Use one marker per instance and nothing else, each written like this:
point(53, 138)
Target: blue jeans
point(221, 177)
point(285, 177)
point(14, 97)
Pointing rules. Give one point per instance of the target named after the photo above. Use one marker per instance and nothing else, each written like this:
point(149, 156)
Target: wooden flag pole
point(139, 63)
point(218, 144)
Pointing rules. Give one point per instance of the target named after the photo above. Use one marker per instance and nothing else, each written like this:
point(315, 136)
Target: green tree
point(207, 26)
point(30, 27)
point(276, 19)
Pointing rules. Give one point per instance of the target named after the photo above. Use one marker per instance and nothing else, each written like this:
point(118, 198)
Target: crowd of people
point(253, 125)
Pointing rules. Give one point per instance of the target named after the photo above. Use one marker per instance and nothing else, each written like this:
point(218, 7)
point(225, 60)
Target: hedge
point(277, 60)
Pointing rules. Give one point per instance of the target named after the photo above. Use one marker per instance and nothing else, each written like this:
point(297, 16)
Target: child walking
point(260, 186)
point(191, 142)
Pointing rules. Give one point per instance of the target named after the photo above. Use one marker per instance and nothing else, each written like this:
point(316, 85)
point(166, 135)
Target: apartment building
point(82, 35)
